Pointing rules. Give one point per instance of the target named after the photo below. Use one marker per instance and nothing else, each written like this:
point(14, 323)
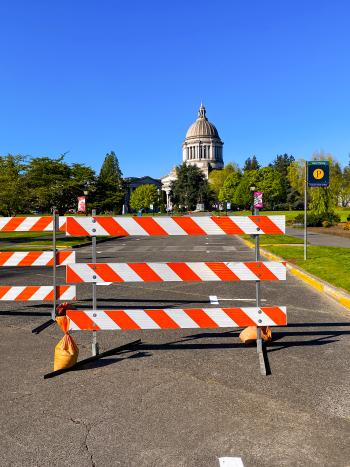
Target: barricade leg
point(259, 345)
point(94, 344)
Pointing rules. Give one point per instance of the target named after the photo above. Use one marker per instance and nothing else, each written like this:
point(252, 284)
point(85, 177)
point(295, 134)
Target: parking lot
point(185, 397)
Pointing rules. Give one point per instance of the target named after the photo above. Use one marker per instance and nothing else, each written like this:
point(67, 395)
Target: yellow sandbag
point(248, 335)
point(66, 351)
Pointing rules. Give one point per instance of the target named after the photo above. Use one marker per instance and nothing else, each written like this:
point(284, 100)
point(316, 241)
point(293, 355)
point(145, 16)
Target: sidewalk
point(318, 239)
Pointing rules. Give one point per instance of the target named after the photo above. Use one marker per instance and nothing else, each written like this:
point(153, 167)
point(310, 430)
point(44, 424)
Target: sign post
point(316, 176)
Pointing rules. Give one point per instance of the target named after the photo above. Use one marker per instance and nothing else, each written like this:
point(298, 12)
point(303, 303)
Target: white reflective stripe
point(246, 224)
point(72, 325)
point(102, 320)
point(142, 319)
point(220, 317)
point(69, 294)
point(280, 221)
point(15, 258)
point(203, 271)
point(43, 259)
point(209, 226)
point(125, 272)
point(61, 221)
point(278, 269)
point(254, 314)
point(170, 226)
point(130, 225)
point(49, 227)
point(88, 225)
point(242, 272)
point(181, 318)
point(13, 293)
point(27, 223)
point(165, 272)
point(4, 221)
point(42, 292)
point(70, 259)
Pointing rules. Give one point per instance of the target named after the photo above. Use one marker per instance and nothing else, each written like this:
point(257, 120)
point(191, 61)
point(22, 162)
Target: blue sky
point(98, 75)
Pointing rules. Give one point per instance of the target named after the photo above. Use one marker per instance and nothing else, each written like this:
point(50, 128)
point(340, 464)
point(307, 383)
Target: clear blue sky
point(90, 76)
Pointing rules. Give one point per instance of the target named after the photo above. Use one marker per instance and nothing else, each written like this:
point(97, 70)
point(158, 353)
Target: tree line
point(35, 185)
point(282, 183)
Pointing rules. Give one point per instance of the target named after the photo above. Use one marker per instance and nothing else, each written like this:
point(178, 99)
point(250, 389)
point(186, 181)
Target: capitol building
point(202, 147)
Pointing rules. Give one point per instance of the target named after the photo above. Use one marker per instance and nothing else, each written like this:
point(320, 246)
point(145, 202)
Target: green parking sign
point(318, 173)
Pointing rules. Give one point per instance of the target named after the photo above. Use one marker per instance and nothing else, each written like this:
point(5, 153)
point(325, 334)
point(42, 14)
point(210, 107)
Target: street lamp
point(252, 189)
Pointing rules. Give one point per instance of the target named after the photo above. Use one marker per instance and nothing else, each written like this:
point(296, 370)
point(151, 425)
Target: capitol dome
point(202, 145)
point(202, 127)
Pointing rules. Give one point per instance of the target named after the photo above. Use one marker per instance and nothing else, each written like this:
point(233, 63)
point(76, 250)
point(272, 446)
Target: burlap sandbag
point(248, 335)
point(66, 351)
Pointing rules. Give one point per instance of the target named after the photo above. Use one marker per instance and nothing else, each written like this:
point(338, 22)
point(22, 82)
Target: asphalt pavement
point(319, 239)
point(186, 397)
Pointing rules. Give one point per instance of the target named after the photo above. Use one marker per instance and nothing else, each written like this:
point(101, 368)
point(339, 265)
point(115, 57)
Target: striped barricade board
point(164, 226)
point(170, 271)
point(30, 224)
point(36, 258)
point(42, 293)
point(172, 318)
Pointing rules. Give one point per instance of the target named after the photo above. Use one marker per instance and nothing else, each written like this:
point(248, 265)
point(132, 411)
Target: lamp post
point(252, 189)
point(86, 195)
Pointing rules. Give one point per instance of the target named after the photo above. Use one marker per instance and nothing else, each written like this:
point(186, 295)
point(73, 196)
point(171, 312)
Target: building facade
point(202, 147)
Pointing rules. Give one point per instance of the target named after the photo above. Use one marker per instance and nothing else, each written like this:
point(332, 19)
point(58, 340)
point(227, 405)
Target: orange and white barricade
point(97, 273)
point(43, 293)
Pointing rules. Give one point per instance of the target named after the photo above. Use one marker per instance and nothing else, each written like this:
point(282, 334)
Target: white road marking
point(104, 283)
point(230, 462)
point(214, 300)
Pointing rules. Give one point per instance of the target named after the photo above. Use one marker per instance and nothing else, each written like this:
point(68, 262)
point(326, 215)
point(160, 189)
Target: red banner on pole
point(81, 203)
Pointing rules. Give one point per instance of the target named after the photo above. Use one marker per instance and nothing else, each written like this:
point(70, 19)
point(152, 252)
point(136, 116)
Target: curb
point(321, 286)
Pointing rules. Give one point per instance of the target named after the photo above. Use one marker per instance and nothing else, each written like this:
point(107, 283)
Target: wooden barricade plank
point(179, 271)
point(173, 318)
point(164, 226)
point(35, 258)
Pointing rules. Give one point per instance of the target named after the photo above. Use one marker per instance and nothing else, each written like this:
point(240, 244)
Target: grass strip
point(276, 239)
point(331, 264)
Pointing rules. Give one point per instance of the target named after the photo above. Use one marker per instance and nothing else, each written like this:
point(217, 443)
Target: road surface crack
point(87, 428)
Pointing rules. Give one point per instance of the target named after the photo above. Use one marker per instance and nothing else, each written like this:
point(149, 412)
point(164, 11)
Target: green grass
point(37, 244)
point(275, 239)
point(328, 263)
point(19, 235)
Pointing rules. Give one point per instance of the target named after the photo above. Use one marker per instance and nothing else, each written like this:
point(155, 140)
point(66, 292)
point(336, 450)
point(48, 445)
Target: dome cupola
point(202, 145)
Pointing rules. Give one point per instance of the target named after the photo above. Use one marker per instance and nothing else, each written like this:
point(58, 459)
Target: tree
point(227, 192)
point(13, 192)
point(270, 182)
point(281, 164)
point(251, 164)
point(48, 184)
point(217, 177)
point(242, 195)
point(143, 196)
point(110, 191)
point(190, 188)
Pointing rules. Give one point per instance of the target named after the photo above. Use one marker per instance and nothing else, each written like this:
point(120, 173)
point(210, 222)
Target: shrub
point(326, 224)
point(347, 226)
point(317, 220)
point(348, 218)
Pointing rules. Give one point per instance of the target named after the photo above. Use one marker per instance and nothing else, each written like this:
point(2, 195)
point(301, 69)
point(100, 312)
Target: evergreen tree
point(190, 188)
point(110, 193)
point(251, 164)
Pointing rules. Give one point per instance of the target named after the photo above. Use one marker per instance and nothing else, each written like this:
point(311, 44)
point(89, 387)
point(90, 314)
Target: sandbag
point(249, 334)
point(66, 351)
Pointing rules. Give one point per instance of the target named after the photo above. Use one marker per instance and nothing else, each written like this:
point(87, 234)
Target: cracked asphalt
point(185, 397)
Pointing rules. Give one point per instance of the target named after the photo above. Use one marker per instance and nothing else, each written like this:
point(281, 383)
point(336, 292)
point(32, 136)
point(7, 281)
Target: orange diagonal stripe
point(222, 271)
point(189, 225)
point(266, 225)
point(145, 272)
point(227, 225)
point(239, 317)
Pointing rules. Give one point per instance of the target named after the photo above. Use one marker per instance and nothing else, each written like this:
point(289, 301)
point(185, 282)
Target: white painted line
point(231, 462)
point(104, 283)
point(214, 300)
